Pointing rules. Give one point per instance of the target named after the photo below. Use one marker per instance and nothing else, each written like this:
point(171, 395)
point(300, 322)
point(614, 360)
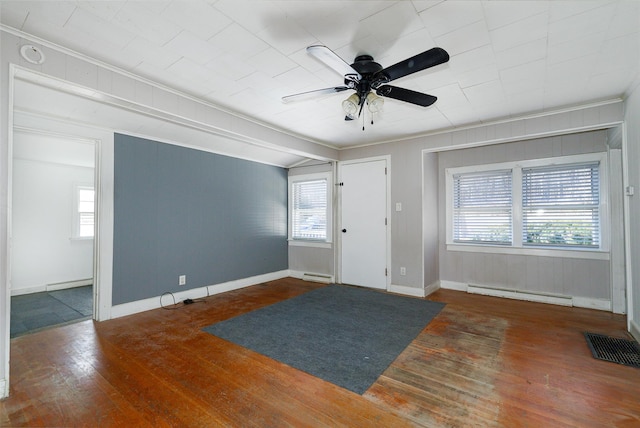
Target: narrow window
point(84, 217)
point(310, 209)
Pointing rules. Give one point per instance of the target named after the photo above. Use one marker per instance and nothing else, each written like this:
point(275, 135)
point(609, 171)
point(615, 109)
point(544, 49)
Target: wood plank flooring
point(482, 361)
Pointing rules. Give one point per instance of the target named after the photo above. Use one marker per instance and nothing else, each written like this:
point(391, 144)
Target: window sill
point(539, 252)
point(314, 244)
point(81, 238)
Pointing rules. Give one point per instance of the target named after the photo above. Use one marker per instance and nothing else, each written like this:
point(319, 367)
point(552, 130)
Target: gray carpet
point(345, 335)
point(33, 312)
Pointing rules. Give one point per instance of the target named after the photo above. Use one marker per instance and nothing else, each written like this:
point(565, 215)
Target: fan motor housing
point(365, 65)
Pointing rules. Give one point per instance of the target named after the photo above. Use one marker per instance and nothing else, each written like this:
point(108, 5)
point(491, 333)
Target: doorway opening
point(52, 230)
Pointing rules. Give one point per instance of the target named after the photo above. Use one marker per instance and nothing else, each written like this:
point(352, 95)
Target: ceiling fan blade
point(331, 59)
point(312, 94)
point(407, 95)
point(422, 61)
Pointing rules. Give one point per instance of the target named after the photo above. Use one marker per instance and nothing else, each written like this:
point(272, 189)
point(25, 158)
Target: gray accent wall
point(180, 211)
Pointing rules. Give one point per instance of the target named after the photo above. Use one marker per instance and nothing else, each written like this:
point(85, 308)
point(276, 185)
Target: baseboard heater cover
point(317, 277)
point(556, 299)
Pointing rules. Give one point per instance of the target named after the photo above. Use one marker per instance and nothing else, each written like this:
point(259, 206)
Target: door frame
point(103, 185)
point(338, 222)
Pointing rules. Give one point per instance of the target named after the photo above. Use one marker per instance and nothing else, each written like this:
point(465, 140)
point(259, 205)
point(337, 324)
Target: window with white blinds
point(84, 212)
point(309, 216)
point(482, 206)
point(561, 205)
point(553, 203)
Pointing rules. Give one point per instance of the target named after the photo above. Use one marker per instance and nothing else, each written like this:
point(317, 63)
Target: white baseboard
point(131, 308)
point(520, 295)
point(431, 288)
point(313, 276)
point(554, 299)
point(50, 287)
point(28, 290)
point(634, 329)
point(69, 284)
point(407, 291)
point(4, 391)
point(589, 303)
point(452, 285)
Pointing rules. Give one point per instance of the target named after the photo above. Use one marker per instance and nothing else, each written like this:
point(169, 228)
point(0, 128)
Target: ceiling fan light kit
point(365, 76)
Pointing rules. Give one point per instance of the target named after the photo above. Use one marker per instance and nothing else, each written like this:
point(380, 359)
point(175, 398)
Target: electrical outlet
point(182, 280)
point(403, 270)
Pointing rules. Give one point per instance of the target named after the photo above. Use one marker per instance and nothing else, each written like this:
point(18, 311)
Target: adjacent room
point(327, 213)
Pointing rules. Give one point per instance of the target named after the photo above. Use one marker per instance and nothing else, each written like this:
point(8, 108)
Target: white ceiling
point(508, 58)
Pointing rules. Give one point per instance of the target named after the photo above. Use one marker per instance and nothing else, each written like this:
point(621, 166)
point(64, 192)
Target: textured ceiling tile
point(564, 9)
point(142, 18)
point(272, 62)
point(238, 41)
point(501, 13)
point(522, 54)
point(451, 15)
point(82, 21)
point(474, 59)
point(106, 10)
point(392, 23)
point(581, 25)
point(519, 33)
point(199, 17)
point(150, 53)
point(464, 39)
point(188, 45)
point(575, 48)
point(286, 36)
point(254, 16)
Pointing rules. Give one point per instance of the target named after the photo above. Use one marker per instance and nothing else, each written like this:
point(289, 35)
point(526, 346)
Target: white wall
point(407, 246)
point(43, 252)
point(632, 123)
point(430, 219)
point(584, 278)
point(303, 259)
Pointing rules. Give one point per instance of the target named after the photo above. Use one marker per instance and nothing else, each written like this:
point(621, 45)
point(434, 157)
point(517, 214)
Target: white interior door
point(364, 223)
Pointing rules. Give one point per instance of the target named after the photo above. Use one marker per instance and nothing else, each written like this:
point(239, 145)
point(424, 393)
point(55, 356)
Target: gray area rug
point(33, 312)
point(344, 335)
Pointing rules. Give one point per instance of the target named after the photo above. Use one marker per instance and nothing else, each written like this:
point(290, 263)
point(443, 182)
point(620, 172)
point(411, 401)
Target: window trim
point(517, 246)
point(322, 243)
point(75, 214)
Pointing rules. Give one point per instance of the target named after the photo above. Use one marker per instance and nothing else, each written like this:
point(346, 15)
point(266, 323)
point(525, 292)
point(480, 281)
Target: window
point(548, 203)
point(561, 205)
point(310, 207)
point(482, 207)
point(83, 212)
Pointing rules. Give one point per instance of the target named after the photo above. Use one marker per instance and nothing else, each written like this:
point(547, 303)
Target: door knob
point(344, 230)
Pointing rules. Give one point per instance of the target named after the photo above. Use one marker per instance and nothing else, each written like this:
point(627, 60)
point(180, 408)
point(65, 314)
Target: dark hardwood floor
point(482, 361)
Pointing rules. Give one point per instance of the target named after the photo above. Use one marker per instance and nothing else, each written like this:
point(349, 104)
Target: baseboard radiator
point(556, 299)
point(317, 277)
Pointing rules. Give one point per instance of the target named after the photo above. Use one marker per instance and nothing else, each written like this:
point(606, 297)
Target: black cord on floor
point(185, 301)
point(174, 301)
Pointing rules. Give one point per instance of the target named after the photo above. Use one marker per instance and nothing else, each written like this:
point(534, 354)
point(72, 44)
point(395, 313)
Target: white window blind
point(561, 205)
point(83, 212)
point(482, 207)
point(309, 206)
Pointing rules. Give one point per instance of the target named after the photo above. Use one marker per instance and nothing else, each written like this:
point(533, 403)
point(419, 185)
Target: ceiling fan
point(365, 76)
